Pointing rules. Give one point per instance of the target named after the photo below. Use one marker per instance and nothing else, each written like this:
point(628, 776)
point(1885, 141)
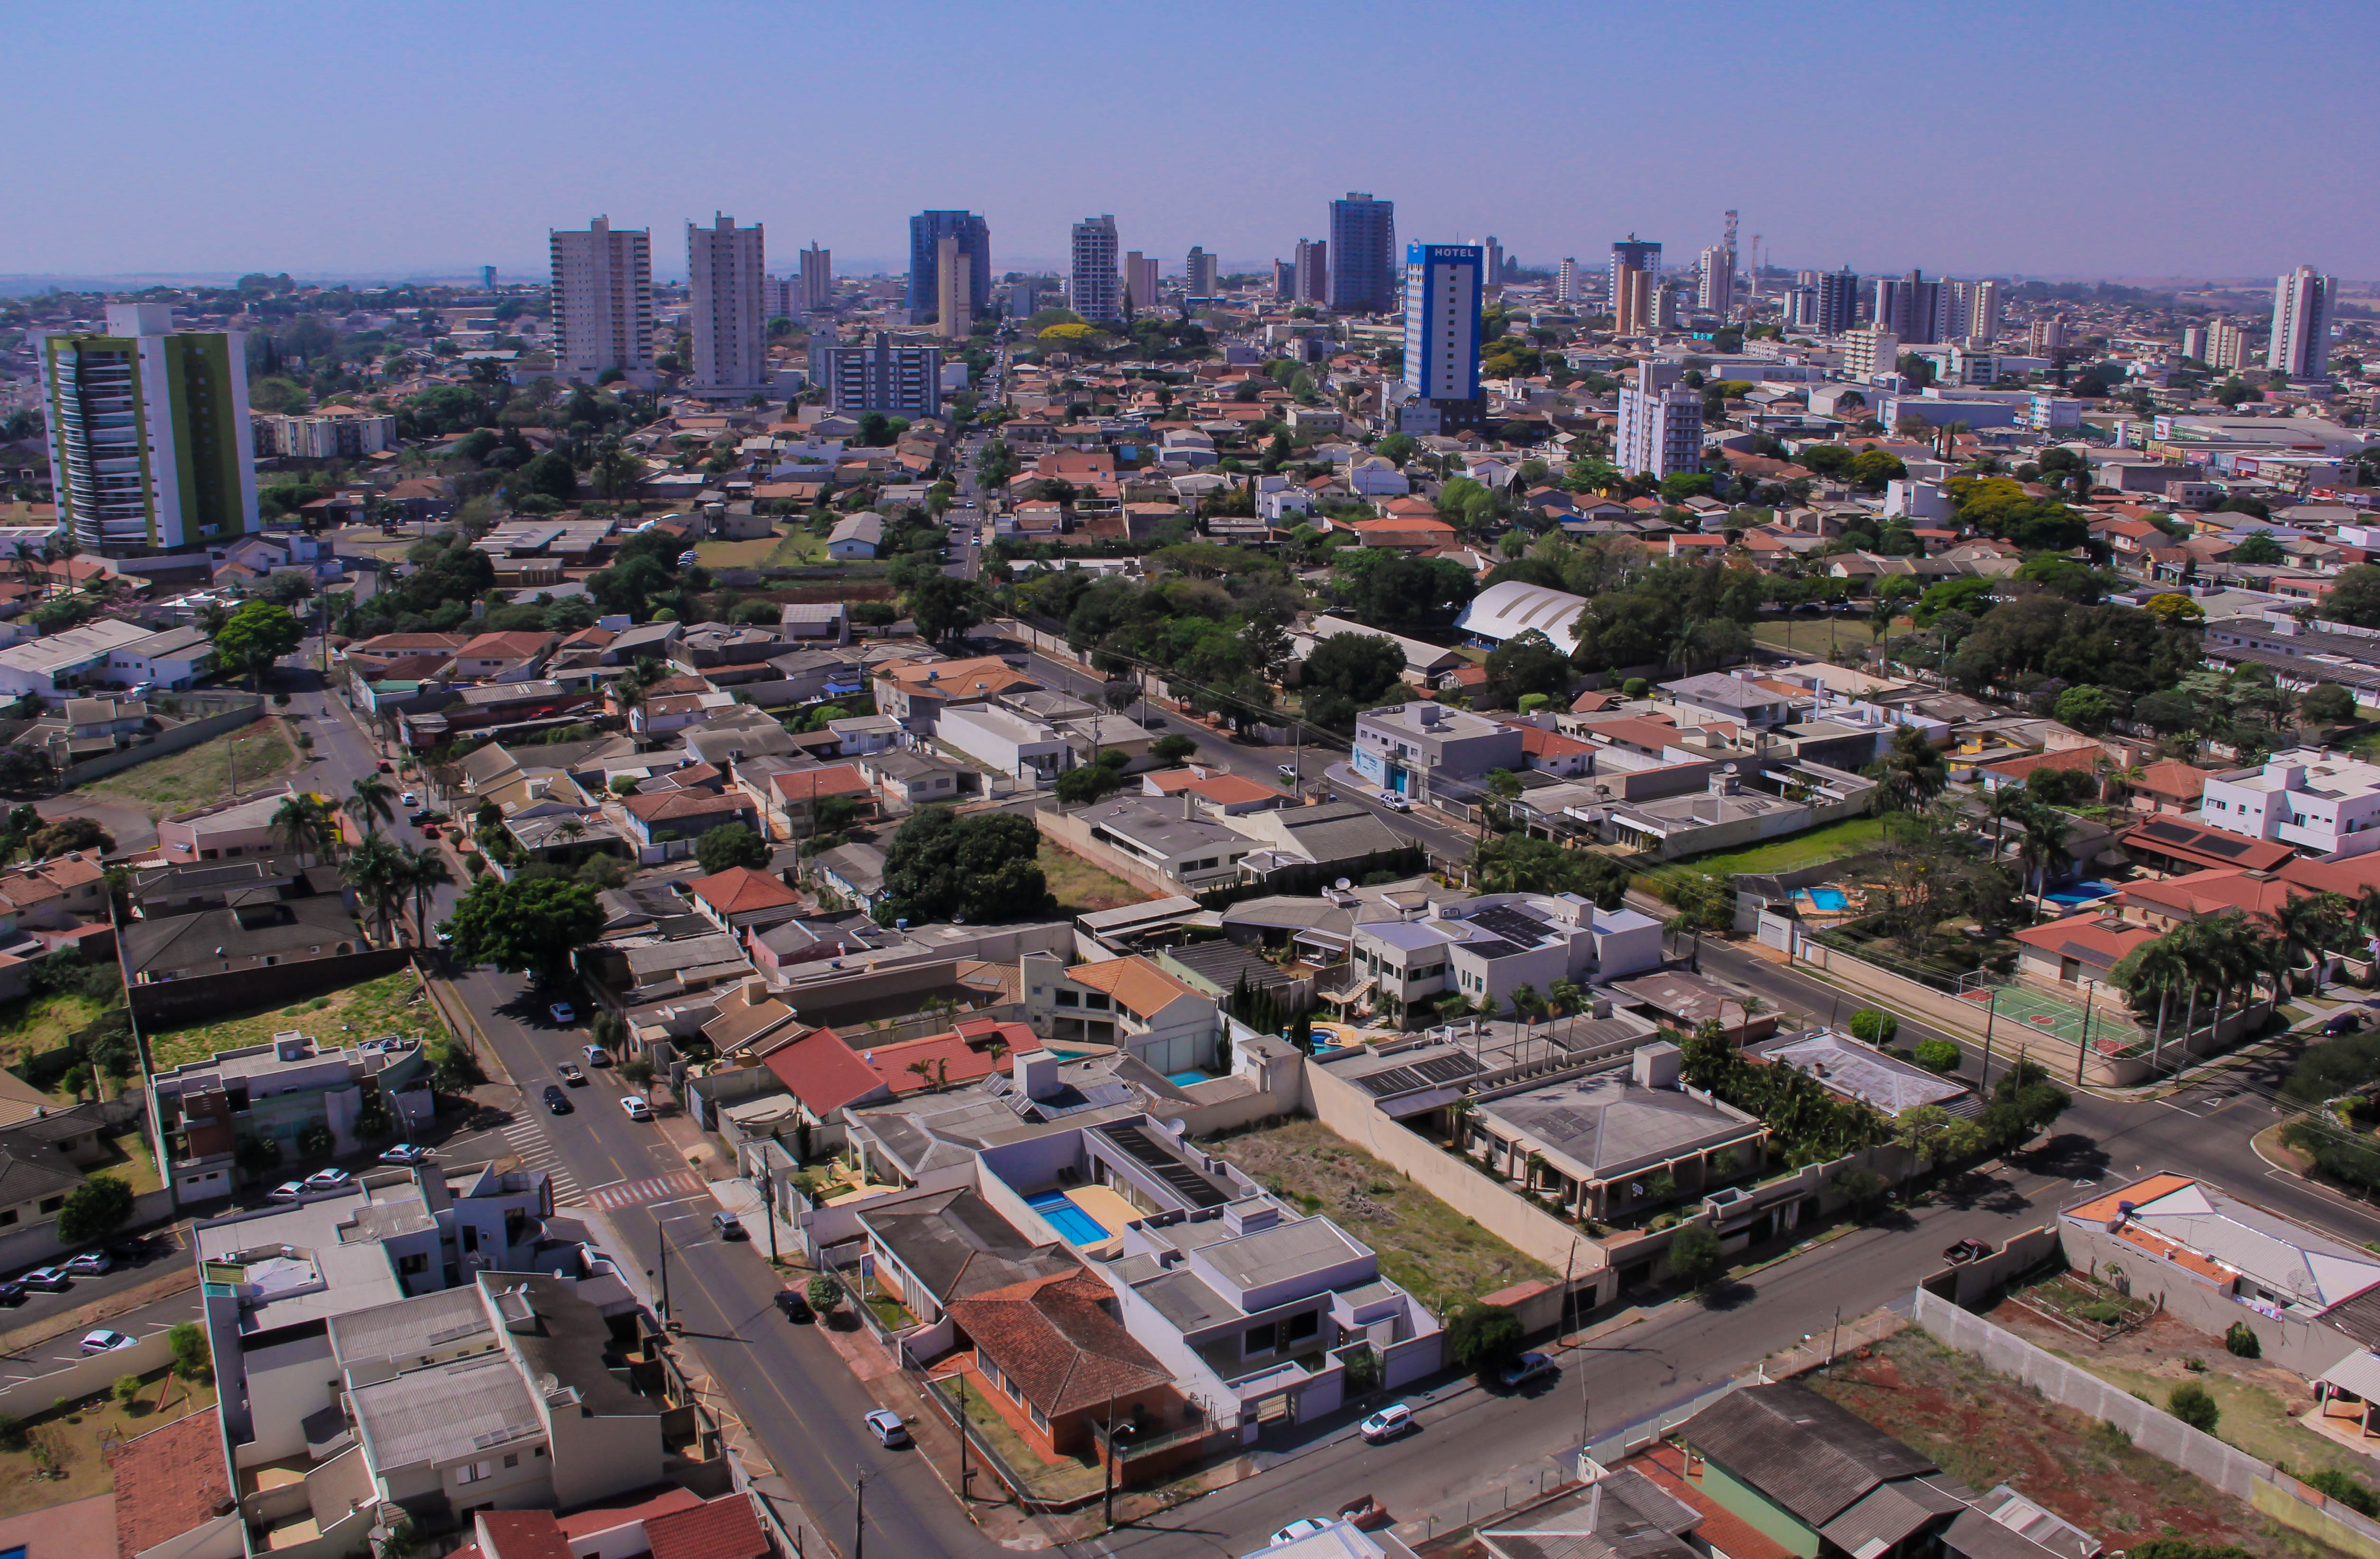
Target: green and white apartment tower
point(150, 444)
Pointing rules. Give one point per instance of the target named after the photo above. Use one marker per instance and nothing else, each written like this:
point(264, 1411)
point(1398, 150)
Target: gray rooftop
point(958, 1245)
point(1792, 1446)
point(410, 1327)
point(445, 1411)
point(1846, 1066)
point(1605, 1125)
point(1282, 1252)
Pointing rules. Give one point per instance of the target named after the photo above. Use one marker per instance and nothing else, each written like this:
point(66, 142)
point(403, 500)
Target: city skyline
point(465, 189)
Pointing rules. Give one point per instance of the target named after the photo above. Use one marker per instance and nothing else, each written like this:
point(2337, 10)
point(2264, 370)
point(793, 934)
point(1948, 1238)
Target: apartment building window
point(1068, 998)
point(472, 1473)
point(1262, 1339)
point(1297, 1328)
point(1096, 1001)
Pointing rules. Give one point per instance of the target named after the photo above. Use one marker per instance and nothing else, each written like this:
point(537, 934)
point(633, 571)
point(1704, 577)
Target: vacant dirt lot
point(1984, 1428)
point(1426, 1248)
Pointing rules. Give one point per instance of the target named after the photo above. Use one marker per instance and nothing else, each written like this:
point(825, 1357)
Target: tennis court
point(2027, 1009)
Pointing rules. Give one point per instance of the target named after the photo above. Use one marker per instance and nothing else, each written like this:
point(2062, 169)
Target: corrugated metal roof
point(1799, 1449)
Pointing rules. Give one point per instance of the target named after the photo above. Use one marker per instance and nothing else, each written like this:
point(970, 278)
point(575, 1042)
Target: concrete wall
point(1350, 1111)
point(1975, 1283)
point(173, 741)
point(84, 1377)
point(31, 1247)
point(173, 1001)
point(2309, 1348)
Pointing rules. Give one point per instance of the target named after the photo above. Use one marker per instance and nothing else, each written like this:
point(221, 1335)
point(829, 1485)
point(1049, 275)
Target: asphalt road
point(164, 1250)
point(66, 1347)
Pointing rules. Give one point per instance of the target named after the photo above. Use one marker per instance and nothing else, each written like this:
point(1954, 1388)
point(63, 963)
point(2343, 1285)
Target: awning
point(841, 688)
point(2357, 1374)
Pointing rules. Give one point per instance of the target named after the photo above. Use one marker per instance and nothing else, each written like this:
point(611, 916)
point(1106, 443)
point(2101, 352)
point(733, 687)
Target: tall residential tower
point(1362, 244)
point(2301, 343)
point(927, 230)
point(603, 299)
point(727, 312)
point(1097, 287)
point(149, 435)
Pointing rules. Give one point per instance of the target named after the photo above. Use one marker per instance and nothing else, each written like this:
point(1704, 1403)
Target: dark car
point(130, 1250)
point(1966, 1250)
point(2343, 1023)
point(795, 1308)
point(557, 1100)
point(12, 1293)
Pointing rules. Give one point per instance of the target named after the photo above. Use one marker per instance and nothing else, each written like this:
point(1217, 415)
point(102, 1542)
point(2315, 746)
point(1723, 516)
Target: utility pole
point(1991, 1006)
point(769, 1209)
point(2083, 1051)
point(965, 1475)
point(859, 1517)
point(1832, 1334)
point(1107, 1482)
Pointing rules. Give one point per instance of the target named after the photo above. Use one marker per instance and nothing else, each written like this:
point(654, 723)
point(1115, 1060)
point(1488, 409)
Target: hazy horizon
point(2053, 142)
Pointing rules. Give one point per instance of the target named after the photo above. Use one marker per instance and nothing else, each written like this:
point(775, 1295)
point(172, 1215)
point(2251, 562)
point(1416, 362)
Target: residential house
point(915, 693)
point(790, 800)
point(282, 1089)
point(857, 538)
point(172, 657)
point(2080, 950)
point(1170, 838)
point(740, 899)
point(1427, 752)
point(666, 825)
point(914, 779)
point(48, 667)
point(1128, 1002)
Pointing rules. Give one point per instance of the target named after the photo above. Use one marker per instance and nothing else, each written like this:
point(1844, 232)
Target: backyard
point(735, 554)
point(1830, 841)
point(238, 762)
point(42, 1022)
point(1983, 1428)
point(1427, 1248)
point(391, 1004)
point(1081, 887)
point(795, 549)
point(76, 1443)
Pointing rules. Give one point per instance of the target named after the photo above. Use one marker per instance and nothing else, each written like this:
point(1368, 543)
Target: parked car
point(1395, 802)
point(1286, 770)
point(102, 1340)
point(636, 1108)
point(1966, 1250)
point(288, 1191)
point(573, 1076)
point(729, 1225)
point(1526, 1368)
point(2342, 1022)
point(49, 1279)
point(12, 1293)
point(1388, 1423)
point(90, 1263)
point(327, 1180)
point(407, 1154)
point(887, 1427)
point(408, 799)
point(1304, 1527)
point(597, 1055)
point(793, 1306)
point(133, 1248)
point(557, 1100)
point(563, 1012)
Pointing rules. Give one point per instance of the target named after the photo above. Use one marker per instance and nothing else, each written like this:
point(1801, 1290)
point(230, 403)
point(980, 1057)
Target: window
point(1297, 1328)
point(1068, 998)
point(471, 1472)
point(52, 1203)
point(513, 1460)
point(470, 1238)
point(1041, 1421)
point(1261, 1340)
point(1096, 1001)
point(412, 1267)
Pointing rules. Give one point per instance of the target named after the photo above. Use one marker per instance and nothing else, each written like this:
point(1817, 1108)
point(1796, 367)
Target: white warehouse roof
point(1508, 611)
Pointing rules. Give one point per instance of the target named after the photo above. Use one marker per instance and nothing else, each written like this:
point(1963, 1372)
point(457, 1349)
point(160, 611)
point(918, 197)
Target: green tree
point(193, 1361)
point(2193, 1405)
point(1694, 1258)
point(255, 637)
point(2328, 705)
point(1523, 664)
point(942, 865)
point(550, 474)
point(943, 606)
point(127, 1391)
point(2259, 549)
point(530, 926)
point(1912, 771)
point(1172, 747)
point(94, 1210)
point(733, 845)
point(2086, 708)
point(1483, 1337)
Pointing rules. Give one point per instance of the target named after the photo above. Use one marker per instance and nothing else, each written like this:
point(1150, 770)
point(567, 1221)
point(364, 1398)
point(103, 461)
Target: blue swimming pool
point(1078, 1226)
point(1833, 901)
point(2081, 893)
point(1184, 1079)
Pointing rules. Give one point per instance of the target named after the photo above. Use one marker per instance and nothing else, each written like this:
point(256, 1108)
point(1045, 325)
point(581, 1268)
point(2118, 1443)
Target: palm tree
point(2305, 925)
point(923, 1071)
point(370, 804)
point(2008, 801)
point(2043, 849)
point(300, 825)
point(1565, 995)
point(423, 872)
point(372, 871)
point(2162, 965)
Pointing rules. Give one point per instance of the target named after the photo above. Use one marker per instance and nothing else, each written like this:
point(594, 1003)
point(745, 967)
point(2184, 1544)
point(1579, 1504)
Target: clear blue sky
point(2097, 139)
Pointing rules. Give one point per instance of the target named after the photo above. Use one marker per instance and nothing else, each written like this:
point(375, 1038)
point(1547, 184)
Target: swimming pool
point(2081, 893)
point(1184, 1079)
point(1078, 1226)
point(1833, 901)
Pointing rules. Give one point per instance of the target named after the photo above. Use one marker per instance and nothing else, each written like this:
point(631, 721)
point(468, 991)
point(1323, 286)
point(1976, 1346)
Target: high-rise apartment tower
point(603, 299)
point(1364, 273)
point(1098, 289)
point(726, 313)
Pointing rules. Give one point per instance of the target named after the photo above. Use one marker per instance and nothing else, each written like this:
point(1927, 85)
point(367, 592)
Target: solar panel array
point(1193, 1188)
point(1439, 1071)
point(1510, 924)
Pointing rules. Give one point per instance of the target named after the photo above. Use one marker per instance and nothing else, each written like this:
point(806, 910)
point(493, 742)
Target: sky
point(2107, 138)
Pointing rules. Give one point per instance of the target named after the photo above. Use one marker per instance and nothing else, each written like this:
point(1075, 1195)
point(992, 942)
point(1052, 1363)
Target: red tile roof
point(684, 804)
point(1721, 1530)
point(1540, 744)
point(2179, 839)
point(2172, 778)
point(2080, 759)
point(520, 1534)
point(587, 1522)
point(809, 784)
point(2091, 937)
point(167, 1482)
point(1230, 789)
point(821, 1071)
point(961, 1055)
point(740, 889)
point(721, 1528)
point(1053, 1337)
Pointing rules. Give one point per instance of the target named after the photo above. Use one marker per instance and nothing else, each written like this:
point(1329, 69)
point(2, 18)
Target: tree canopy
point(255, 637)
point(525, 927)
point(943, 867)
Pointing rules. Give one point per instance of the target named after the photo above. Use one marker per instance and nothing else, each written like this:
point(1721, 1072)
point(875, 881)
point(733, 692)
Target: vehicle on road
point(1527, 1368)
point(102, 1340)
point(49, 1279)
point(793, 1306)
point(2342, 1022)
point(573, 1076)
point(288, 1191)
point(688, 558)
point(557, 1100)
point(636, 1108)
point(1966, 1250)
point(564, 1014)
point(1287, 770)
point(407, 1154)
point(1395, 802)
point(596, 1056)
point(1304, 1527)
point(887, 1427)
point(729, 1225)
point(408, 798)
point(1389, 1422)
point(12, 1293)
point(1366, 1515)
point(418, 817)
point(90, 1263)
point(384, 767)
point(327, 1180)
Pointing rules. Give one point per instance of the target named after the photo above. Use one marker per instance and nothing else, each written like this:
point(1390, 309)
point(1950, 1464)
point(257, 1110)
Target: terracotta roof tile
point(721, 1528)
point(1139, 985)
point(167, 1482)
point(740, 889)
point(1055, 1339)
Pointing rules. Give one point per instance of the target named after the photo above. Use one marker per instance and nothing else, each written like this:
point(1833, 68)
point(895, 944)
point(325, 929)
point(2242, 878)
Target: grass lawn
point(1432, 1251)
point(40, 1023)
point(1068, 1479)
point(1813, 635)
point(364, 1011)
point(73, 1440)
point(1080, 887)
point(737, 555)
point(134, 1166)
point(202, 775)
point(1831, 842)
point(796, 548)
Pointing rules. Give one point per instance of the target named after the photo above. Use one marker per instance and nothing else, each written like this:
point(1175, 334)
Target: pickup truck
point(1367, 1514)
point(1966, 1250)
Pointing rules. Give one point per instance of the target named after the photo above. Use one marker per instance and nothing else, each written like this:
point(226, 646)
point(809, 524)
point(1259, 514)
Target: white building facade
point(603, 299)
point(728, 315)
point(1660, 432)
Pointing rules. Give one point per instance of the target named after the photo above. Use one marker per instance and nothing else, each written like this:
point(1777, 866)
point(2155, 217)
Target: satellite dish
point(1343, 885)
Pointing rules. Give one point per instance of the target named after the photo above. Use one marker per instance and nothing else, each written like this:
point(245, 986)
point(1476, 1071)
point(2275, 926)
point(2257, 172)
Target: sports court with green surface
point(2021, 1009)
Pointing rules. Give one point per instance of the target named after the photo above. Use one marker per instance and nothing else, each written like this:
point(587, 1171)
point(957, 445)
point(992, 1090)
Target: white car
point(887, 1427)
point(563, 1012)
point(327, 1180)
point(1388, 1423)
point(408, 798)
point(1395, 802)
point(405, 1152)
point(104, 1341)
point(288, 1191)
point(90, 1263)
point(688, 559)
point(1304, 1527)
point(635, 1106)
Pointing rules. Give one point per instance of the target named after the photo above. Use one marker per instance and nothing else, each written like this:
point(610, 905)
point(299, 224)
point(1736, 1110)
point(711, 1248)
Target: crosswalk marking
point(529, 1143)
point(632, 1193)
